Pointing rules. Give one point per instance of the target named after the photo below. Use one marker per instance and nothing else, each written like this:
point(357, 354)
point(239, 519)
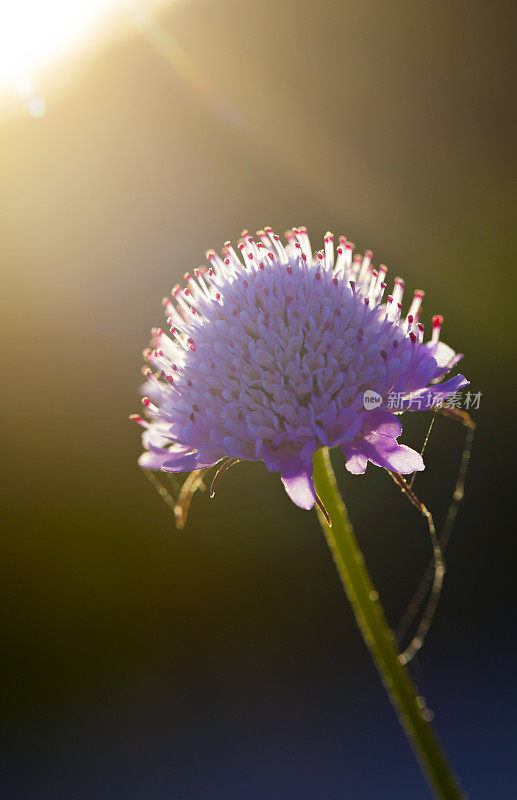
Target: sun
point(36, 35)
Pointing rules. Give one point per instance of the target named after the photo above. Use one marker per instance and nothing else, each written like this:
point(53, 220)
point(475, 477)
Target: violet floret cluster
point(275, 352)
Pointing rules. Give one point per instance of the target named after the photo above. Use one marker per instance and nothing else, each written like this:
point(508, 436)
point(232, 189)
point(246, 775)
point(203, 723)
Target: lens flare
point(33, 34)
point(37, 35)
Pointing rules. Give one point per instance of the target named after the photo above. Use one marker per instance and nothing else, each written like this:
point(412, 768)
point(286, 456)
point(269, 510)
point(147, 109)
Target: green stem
point(411, 710)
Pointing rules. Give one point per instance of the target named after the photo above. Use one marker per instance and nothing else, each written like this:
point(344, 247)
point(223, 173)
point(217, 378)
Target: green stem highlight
point(411, 710)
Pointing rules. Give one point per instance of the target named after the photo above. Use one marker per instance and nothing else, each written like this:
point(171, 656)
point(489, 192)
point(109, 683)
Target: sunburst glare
point(36, 36)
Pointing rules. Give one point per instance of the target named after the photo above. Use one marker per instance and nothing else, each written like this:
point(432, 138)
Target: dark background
point(223, 661)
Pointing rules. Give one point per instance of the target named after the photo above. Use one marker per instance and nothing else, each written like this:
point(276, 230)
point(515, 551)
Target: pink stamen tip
point(165, 301)
point(399, 306)
point(304, 257)
point(340, 250)
point(211, 272)
point(289, 270)
point(390, 299)
point(175, 368)
point(410, 319)
point(176, 290)
point(437, 321)
point(335, 281)
point(136, 418)
point(146, 402)
point(412, 336)
point(420, 327)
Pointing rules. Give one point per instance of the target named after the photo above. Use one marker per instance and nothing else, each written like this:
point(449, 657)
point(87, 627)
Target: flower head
point(275, 352)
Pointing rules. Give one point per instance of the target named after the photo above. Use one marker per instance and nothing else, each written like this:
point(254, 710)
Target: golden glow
point(36, 35)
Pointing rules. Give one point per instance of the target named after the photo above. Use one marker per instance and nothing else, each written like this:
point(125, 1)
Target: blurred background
point(223, 661)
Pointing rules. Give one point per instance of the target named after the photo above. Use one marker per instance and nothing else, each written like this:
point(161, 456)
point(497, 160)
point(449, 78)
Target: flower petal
point(441, 352)
point(154, 457)
point(382, 421)
point(421, 375)
point(298, 483)
point(450, 365)
point(383, 451)
point(432, 395)
point(181, 463)
point(186, 462)
point(150, 460)
point(356, 463)
point(210, 454)
point(238, 448)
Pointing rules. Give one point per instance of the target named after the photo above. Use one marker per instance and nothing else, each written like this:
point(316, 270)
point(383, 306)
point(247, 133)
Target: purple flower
point(277, 352)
